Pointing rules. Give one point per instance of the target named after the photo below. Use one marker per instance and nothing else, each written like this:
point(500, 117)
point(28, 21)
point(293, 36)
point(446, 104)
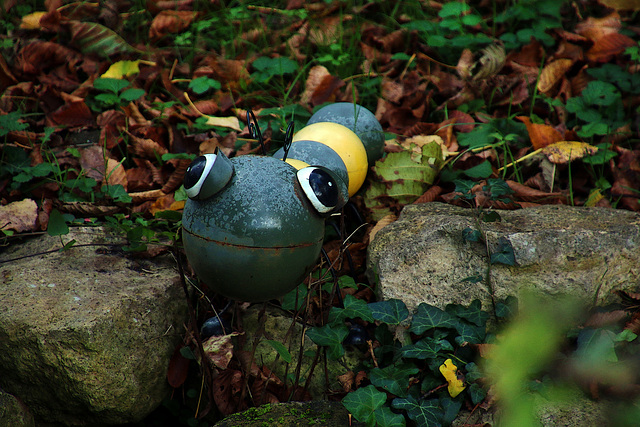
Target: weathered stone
point(86, 334)
point(587, 253)
point(293, 414)
point(278, 326)
point(13, 413)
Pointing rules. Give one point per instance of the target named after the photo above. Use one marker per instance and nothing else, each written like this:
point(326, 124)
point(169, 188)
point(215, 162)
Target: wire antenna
point(288, 139)
point(254, 129)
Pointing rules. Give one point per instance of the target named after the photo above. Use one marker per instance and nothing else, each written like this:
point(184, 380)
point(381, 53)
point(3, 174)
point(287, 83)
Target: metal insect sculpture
point(253, 226)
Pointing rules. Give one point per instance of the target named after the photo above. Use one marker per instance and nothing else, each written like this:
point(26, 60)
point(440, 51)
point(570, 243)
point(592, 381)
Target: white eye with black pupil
point(320, 188)
point(196, 175)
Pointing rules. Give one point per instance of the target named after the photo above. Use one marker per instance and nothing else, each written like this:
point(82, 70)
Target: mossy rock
point(292, 414)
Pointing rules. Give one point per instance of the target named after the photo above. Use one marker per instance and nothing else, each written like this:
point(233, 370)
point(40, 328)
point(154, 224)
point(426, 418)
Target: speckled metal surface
point(360, 120)
point(258, 237)
point(317, 154)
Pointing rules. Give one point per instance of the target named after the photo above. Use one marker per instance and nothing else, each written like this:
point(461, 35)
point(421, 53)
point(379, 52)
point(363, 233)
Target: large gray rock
point(14, 413)
point(86, 334)
point(587, 253)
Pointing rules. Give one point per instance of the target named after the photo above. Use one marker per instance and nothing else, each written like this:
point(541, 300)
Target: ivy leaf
point(429, 317)
point(473, 313)
point(363, 402)
point(331, 337)
point(469, 333)
point(596, 345)
point(426, 413)
point(426, 348)
point(384, 417)
point(476, 393)
point(353, 308)
point(507, 308)
point(393, 378)
point(471, 235)
point(504, 253)
point(451, 408)
point(391, 312)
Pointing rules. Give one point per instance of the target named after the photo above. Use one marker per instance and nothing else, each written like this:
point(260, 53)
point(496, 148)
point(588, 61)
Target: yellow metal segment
point(345, 143)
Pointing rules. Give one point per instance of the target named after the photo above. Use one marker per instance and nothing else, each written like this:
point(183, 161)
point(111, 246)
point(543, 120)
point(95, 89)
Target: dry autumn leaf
point(552, 73)
point(384, 221)
point(32, 21)
point(568, 151)
point(170, 22)
point(541, 135)
point(19, 216)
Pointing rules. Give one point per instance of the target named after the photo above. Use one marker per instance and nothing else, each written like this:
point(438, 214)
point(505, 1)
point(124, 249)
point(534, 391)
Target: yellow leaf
point(594, 197)
point(122, 69)
point(225, 122)
point(567, 151)
point(448, 371)
point(32, 21)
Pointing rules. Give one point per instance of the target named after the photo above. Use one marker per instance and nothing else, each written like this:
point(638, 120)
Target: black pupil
point(194, 171)
point(324, 187)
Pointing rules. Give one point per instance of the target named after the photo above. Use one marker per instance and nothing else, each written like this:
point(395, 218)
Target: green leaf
point(289, 299)
point(471, 235)
point(363, 402)
point(57, 225)
point(11, 123)
point(483, 170)
point(476, 393)
point(473, 313)
point(507, 308)
point(347, 282)
point(108, 99)
point(451, 408)
point(268, 67)
point(113, 86)
point(596, 346)
point(426, 348)
point(202, 84)
point(469, 333)
point(331, 337)
point(603, 155)
point(465, 187)
point(168, 156)
point(498, 188)
point(393, 378)
point(452, 9)
point(600, 93)
point(503, 253)
point(281, 349)
point(384, 417)
point(353, 308)
point(117, 193)
point(391, 312)
point(627, 335)
point(429, 317)
point(426, 413)
point(132, 94)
